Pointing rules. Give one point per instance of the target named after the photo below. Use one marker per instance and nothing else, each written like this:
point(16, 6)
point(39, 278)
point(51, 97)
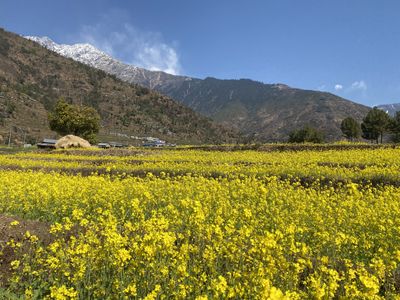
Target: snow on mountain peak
point(90, 55)
point(44, 41)
point(82, 52)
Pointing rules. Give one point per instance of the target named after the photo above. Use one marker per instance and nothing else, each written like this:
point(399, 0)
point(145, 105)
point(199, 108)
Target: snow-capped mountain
point(267, 112)
point(90, 55)
point(391, 109)
point(84, 53)
point(32, 78)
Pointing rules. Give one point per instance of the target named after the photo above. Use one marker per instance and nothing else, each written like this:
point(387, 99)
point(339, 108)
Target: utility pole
point(9, 138)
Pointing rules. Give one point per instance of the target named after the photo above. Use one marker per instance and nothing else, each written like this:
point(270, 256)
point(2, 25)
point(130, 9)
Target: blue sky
point(347, 47)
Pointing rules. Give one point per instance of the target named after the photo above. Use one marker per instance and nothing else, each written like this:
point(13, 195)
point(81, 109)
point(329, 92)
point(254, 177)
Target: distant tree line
point(373, 127)
point(307, 134)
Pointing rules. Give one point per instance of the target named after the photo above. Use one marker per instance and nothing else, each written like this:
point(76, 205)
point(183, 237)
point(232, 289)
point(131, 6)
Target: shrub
point(306, 134)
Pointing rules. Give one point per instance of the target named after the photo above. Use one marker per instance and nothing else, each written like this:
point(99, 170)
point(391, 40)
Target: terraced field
point(274, 223)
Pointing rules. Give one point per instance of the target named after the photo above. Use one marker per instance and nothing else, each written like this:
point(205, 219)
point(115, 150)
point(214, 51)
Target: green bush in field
point(82, 120)
point(306, 134)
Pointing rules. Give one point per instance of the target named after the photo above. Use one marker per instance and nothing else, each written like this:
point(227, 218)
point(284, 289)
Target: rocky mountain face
point(391, 109)
point(32, 79)
point(264, 112)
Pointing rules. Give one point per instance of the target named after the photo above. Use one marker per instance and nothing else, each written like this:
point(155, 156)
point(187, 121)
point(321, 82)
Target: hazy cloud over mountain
point(359, 85)
point(338, 87)
point(132, 45)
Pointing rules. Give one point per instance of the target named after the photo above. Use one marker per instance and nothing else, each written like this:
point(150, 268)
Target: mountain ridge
point(265, 112)
point(90, 55)
point(32, 78)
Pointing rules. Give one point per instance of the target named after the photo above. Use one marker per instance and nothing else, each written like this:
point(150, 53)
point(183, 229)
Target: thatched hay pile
point(72, 141)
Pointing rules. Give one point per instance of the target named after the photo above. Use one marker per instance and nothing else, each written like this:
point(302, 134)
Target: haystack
point(72, 141)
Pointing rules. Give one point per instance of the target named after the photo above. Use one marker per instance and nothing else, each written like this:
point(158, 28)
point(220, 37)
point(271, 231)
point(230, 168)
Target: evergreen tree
point(395, 127)
point(375, 124)
point(351, 129)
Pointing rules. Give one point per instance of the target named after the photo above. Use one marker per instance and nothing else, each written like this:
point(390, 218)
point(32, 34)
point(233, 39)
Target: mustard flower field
point(198, 224)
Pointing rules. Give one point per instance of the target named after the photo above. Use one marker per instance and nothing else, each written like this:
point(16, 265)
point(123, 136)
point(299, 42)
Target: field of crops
point(200, 224)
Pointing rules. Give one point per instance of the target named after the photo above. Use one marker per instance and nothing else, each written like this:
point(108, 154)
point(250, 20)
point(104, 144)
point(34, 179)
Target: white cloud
point(321, 87)
point(159, 57)
point(338, 87)
point(359, 85)
point(134, 46)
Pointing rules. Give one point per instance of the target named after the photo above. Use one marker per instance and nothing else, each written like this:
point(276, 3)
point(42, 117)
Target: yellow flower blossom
point(203, 224)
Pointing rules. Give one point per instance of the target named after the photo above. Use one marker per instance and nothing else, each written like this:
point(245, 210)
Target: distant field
point(210, 222)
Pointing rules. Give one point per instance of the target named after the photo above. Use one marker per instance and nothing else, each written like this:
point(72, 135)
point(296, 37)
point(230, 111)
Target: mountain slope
point(32, 78)
point(267, 112)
